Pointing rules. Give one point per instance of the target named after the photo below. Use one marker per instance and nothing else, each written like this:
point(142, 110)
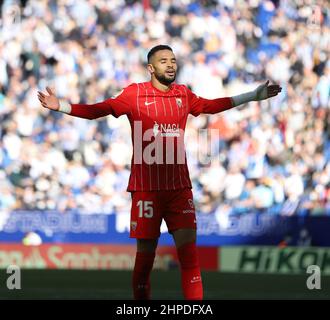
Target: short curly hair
point(157, 48)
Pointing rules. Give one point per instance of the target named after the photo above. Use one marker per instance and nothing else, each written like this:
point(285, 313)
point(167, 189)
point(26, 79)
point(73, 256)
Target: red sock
point(191, 279)
point(141, 275)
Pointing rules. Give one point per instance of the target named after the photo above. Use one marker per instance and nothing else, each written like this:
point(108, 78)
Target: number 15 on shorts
point(145, 209)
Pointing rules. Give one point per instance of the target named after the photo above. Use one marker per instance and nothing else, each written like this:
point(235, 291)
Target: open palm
point(265, 91)
point(49, 101)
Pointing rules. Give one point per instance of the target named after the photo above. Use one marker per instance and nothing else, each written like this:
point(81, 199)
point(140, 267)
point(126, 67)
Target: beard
point(165, 79)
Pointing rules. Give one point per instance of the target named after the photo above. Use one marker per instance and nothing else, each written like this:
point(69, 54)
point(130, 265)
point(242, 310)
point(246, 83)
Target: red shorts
point(176, 207)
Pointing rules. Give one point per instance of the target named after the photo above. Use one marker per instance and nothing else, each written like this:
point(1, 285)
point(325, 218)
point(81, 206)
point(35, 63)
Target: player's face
point(163, 66)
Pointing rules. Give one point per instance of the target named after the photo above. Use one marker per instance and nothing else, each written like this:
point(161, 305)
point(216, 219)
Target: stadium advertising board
point(88, 256)
point(289, 260)
point(213, 229)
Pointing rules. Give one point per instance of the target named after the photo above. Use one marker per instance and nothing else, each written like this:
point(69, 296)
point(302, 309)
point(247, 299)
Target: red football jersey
point(158, 120)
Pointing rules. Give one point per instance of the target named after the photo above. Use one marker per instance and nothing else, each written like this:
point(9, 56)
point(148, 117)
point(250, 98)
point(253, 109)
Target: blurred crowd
point(271, 156)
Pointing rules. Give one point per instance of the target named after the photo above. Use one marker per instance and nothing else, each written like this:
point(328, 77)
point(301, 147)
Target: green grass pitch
point(115, 285)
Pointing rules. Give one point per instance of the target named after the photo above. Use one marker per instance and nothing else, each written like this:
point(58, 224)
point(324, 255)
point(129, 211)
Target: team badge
point(191, 203)
point(178, 102)
point(133, 225)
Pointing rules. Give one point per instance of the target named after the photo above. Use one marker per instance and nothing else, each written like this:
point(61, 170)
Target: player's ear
point(150, 68)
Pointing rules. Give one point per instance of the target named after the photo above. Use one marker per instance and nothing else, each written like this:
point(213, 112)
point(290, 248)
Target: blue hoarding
point(213, 230)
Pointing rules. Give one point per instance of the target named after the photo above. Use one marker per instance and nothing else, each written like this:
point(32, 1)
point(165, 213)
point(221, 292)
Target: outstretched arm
point(210, 106)
point(114, 106)
point(264, 91)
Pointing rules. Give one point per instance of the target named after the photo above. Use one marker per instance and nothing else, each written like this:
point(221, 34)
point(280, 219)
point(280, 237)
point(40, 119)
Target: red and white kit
point(159, 179)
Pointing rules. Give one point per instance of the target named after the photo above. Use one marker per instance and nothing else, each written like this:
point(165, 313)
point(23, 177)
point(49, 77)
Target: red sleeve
point(200, 105)
point(116, 106)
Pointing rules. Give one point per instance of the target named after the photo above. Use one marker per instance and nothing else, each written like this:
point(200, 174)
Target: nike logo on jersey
point(148, 103)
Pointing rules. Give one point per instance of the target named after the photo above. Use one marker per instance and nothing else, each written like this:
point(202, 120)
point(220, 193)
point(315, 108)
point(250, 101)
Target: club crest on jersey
point(191, 203)
point(178, 102)
point(133, 225)
point(166, 130)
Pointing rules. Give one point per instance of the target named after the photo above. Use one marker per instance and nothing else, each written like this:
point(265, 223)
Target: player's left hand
point(265, 91)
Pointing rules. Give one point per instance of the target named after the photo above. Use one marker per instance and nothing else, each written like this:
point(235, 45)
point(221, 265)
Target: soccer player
point(159, 182)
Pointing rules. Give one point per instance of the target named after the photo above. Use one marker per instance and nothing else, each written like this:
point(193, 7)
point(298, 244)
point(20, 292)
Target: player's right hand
point(49, 101)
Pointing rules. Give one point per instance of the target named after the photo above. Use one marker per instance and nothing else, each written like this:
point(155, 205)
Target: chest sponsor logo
point(166, 130)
